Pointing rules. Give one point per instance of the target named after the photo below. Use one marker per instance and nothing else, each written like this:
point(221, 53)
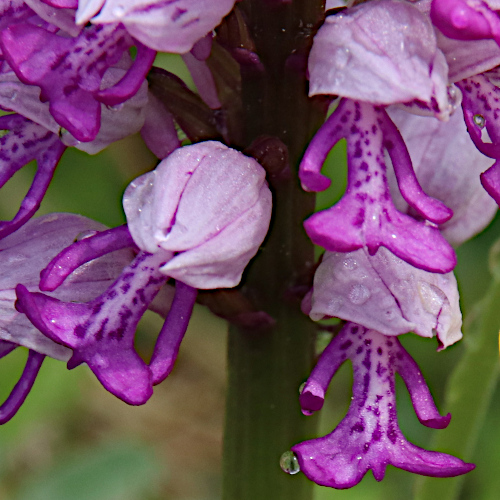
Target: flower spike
point(369, 437)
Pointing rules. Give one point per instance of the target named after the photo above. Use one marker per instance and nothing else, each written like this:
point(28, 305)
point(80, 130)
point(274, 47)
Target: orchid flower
point(198, 218)
point(369, 437)
point(366, 216)
point(24, 254)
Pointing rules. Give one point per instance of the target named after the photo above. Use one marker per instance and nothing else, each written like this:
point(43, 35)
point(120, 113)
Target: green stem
point(266, 366)
point(469, 390)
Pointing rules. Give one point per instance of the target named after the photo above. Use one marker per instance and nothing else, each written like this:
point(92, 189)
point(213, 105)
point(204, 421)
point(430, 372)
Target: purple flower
point(70, 71)
point(369, 437)
point(23, 254)
point(198, 218)
point(366, 216)
point(33, 134)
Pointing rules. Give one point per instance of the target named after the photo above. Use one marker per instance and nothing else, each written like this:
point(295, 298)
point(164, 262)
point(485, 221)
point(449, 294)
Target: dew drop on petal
point(342, 57)
point(350, 264)
point(479, 120)
point(119, 11)
point(359, 294)
point(454, 98)
point(289, 463)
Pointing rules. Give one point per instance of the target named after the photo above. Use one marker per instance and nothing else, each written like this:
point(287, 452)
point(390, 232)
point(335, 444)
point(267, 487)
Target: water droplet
point(118, 11)
point(16, 258)
point(350, 264)
point(85, 234)
point(342, 57)
point(301, 387)
point(432, 297)
point(454, 98)
point(479, 120)
point(359, 294)
point(289, 463)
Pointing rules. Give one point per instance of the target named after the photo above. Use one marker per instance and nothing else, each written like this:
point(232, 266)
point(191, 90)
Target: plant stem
point(266, 366)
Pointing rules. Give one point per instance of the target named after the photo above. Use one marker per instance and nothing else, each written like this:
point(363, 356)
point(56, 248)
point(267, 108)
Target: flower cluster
point(412, 190)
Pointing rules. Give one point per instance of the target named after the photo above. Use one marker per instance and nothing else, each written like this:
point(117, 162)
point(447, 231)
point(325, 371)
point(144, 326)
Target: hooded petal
point(172, 26)
point(383, 52)
point(207, 203)
point(384, 293)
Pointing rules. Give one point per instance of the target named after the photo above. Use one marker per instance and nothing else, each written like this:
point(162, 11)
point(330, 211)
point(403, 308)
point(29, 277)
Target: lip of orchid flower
point(369, 437)
point(117, 122)
point(232, 208)
point(383, 52)
point(25, 142)
point(366, 215)
point(23, 254)
point(23, 387)
point(101, 332)
point(69, 71)
point(165, 26)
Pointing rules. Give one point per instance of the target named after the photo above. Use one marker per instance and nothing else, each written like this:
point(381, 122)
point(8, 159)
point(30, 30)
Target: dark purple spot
point(357, 427)
point(80, 331)
point(380, 369)
point(392, 434)
point(100, 333)
point(366, 362)
point(345, 345)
